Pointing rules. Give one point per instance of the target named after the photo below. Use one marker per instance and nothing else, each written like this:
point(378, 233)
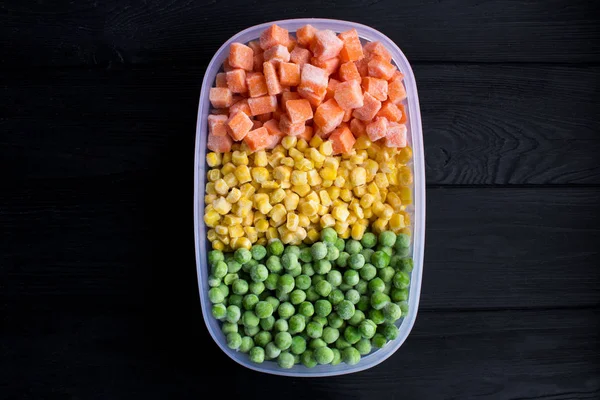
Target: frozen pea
point(376, 316)
point(363, 346)
point(250, 319)
point(235, 300)
point(257, 355)
point(271, 281)
point(305, 255)
point(257, 287)
point(395, 261)
point(263, 309)
point(368, 272)
point(228, 328)
point(259, 273)
point(323, 308)
point(376, 285)
point(356, 261)
point(337, 357)
point(379, 300)
point(357, 318)
point(251, 330)
point(316, 279)
point(289, 261)
point(390, 331)
point(306, 309)
point(213, 281)
point(286, 283)
point(233, 314)
point(249, 301)
point(246, 345)
point(242, 255)
point(335, 321)
point(285, 360)
point(224, 288)
point(281, 295)
point(344, 287)
point(298, 345)
point(316, 343)
point(324, 355)
point(311, 294)
point(350, 356)
point(351, 277)
point(215, 295)
point(398, 295)
point(330, 335)
point(329, 235)
point(307, 359)
point(353, 296)
point(308, 269)
point(267, 323)
point(332, 252)
point(295, 271)
point(323, 288)
point(352, 334)
point(295, 250)
point(345, 310)
point(240, 286)
point(401, 280)
point(297, 296)
point(303, 282)
point(220, 269)
point(233, 266)
point(403, 307)
point(380, 259)
point(274, 301)
point(342, 260)
point(275, 247)
point(219, 311)
point(281, 325)
point(386, 274)
point(314, 329)
point(402, 241)
point(368, 240)
point(283, 340)
point(403, 252)
point(367, 328)
point(335, 297)
point(258, 252)
point(392, 312)
point(364, 303)
point(272, 351)
point(318, 251)
point(286, 310)
point(353, 247)
point(387, 238)
point(322, 267)
point(361, 287)
point(342, 344)
point(230, 278)
point(367, 254)
point(248, 266)
point(214, 256)
point(262, 338)
point(297, 323)
point(378, 341)
point(386, 250)
point(274, 264)
point(340, 244)
point(406, 265)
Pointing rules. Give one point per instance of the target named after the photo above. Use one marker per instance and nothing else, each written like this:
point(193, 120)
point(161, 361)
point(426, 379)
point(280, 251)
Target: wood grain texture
point(155, 353)
point(482, 124)
point(180, 31)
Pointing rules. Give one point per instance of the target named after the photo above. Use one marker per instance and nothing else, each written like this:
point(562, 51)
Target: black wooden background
point(98, 293)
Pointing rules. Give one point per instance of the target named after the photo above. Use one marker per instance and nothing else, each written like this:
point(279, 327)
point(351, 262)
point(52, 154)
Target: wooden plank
point(181, 31)
point(157, 354)
point(483, 124)
point(118, 239)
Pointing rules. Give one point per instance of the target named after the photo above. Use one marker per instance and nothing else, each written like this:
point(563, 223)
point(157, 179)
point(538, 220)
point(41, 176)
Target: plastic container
point(415, 139)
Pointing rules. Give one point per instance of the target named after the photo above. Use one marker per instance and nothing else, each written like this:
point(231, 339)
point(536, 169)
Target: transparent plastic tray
point(415, 140)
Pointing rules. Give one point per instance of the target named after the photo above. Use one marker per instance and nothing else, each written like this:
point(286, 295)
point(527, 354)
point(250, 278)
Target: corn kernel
point(316, 156)
point(358, 231)
point(296, 154)
point(242, 173)
point(213, 159)
point(379, 225)
point(213, 175)
point(332, 163)
point(236, 231)
point(326, 148)
point(302, 190)
point(368, 212)
point(225, 239)
point(292, 222)
point(340, 213)
point(282, 173)
point(287, 161)
point(406, 195)
point(210, 188)
point(360, 191)
point(312, 235)
point(367, 200)
point(352, 218)
point(324, 198)
point(345, 235)
point(405, 176)
point(315, 141)
point(358, 176)
point(262, 241)
point(243, 243)
point(230, 179)
point(322, 210)
point(327, 221)
point(394, 200)
point(234, 195)
point(334, 192)
point(221, 230)
point(303, 220)
point(309, 208)
point(226, 158)
point(239, 158)
point(228, 168)
point(217, 245)
point(381, 180)
point(211, 235)
point(211, 218)
point(209, 198)
point(229, 220)
point(304, 165)
point(278, 214)
point(340, 227)
point(299, 178)
point(260, 174)
point(357, 159)
point(248, 219)
point(264, 207)
point(373, 189)
point(251, 233)
point(313, 178)
point(260, 159)
point(326, 183)
point(302, 145)
point(222, 206)
point(289, 141)
point(275, 159)
point(405, 155)
point(261, 225)
point(339, 181)
point(221, 187)
point(356, 208)
point(277, 196)
point(362, 142)
point(346, 195)
point(247, 190)
point(269, 185)
point(328, 174)
point(314, 219)
point(397, 221)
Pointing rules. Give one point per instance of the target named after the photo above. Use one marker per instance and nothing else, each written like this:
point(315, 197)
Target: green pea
point(345, 309)
point(219, 311)
point(320, 319)
point(403, 307)
point(364, 303)
point(275, 247)
point(335, 321)
point(258, 252)
point(248, 266)
point(368, 272)
point(311, 294)
point(324, 355)
point(271, 281)
point(250, 319)
point(233, 314)
point(274, 264)
point(233, 266)
point(340, 244)
point(402, 241)
point(403, 252)
point(387, 238)
point(303, 282)
point(367, 254)
point(368, 240)
point(242, 255)
point(376, 316)
point(273, 301)
point(332, 252)
point(322, 267)
point(259, 273)
point(390, 331)
point(228, 327)
point(378, 341)
point(316, 343)
point(308, 269)
point(213, 281)
point(318, 251)
point(367, 328)
point(215, 295)
point(272, 351)
point(352, 334)
point(401, 280)
point(363, 346)
point(289, 261)
point(337, 357)
point(398, 295)
point(395, 261)
point(386, 250)
point(379, 300)
point(246, 345)
point(257, 355)
point(305, 255)
point(262, 338)
point(376, 285)
point(335, 297)
point(285, 360)
point(286, 310)
point(342, 260)
point(263, 309)
point(353, 296)
point(297, 323)
point(292, 250)
point(392, 312)
point(281, 325)
point(257, 287)
point(386, 274)
point(329, 235)
point(361, 287)
point(283, 340)
point(380, 259)
point(357, 318)
point(224, 288)
point(286, 283)
point(307, 359)
point(249, 301)
point(330, 335)
point(297, 296)
point(267, 323)
point(406, 265)
point(351, 277)
point(314, 329)
point(220, 269)
point(306, 309)
point(353, 246)
point(214, 256)
point(344, 287)
point(240, 286)
point(235, 300)
point(323, 288)
point(323, 308)
point(342, 344)
point(251, 330)
point(229, 279)
point(298, 345)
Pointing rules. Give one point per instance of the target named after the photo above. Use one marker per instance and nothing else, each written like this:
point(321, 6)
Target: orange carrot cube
point(257, 86)
point(217, 125)
point(328, 116)
point(342, 140)
point(377, 129)
point(378, 88)
point(396, 91)
point(236, 99)
point(226, 66)
point(404, 117)
point(352, 49)
point(307, 134)
point(242, 106)
point(241, 56)
point(326, 44)
point(300, 56)
point(380, 68)
point(286, 96)
point(390, 111)
point(396, 135)
point(257, 139)
point(330, 65)
point(220, 97)
point(362, 66)
point(219, 144)
point(369, 109)
point(286, 126)
point(277, 113)
point(262, 104)
point(292, 43)
point(259, 59)
point(298, 111)
point(347, 115)
point(313, 84)
point(256, 124)
point(272, 126)
point(221, 80)
point(277, 52)
point(219, 111)
point(255, 46)
point(236, 81)
point(331, 88)
point(357, 127)
point(306, 35)
point(273, 85)
point(289, 74)
point(239, 125)
point(273, 141)
point(349, 94)
point(376, 49)
point(272, 36)
point(263, 117)
point(348, 71)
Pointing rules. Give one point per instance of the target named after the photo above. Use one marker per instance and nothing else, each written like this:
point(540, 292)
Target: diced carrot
point(347, 115)
point(257, 86)
point(259, 59)
point(219, 144)
point(330, 65)
point(300, 56)
point(289, 74)
point(328, 116)
point(380, 68)
point(390, 111)
point(369, 109)
point(277, 113)
point(377, 88)
point(342, 140)
point(299, 111)
point(348, 71)
point(376, 49)
point(277, 52)
point(217, 125)
point(272, 36)
point(404, 117)
point(262, 105)
point(313, 84)
point(331, 88)
point(307, 134)
point(349, 94)
point(239, 125)
point(241, 56)
point(352, 49)
point(236, 81)
point(226, 66)
point(263, 117)
point(221, 80)
point(236, 99)
point(396, 91)
point(362, 66)
point(273, 85)
point(377, 129)
point(357, 127)
point(257, 139)
point(255, 46)
point(286, 96)
point(256, 124)
point(396, 135)
point(220, 97)
point(326, 44)
point(272, 126)
point(289, 128)
point(306, 35)
point(273, 141)
point(240, 106)
point(219, 111)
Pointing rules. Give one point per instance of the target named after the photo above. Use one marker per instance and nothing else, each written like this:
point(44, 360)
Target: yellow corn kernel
point(309, 208)
point(217, 245)
point(405, 155)
point(378, 208)
point(314, 219)
point(358, 176)
point(277, 196)
point(234, 195)
point(226, 158)
point(248, 219)
point(247, 190)
point(357, 209)
point(277, 215)
point(264, 207)
point(211, 235)
point(362, 143)
point(287, 161)
point(331, 162)
point(210, 188)
point(339, 181)
point(260, 198)
point(347, 165)
point(352, 218)
point(360, 191)
point(239, 158)
point(230, 180)
point(261, 225)
point(243, 206)
point(313, 178)
point(209, 198)
point(262, 241)
point(236, 231)
point(312, 196)
point(275, 159)
point(328, 174)
point(346, 195)
point(221, 205)
point(327, 221)
point(387, 212)
point(379, 225)
point(279, 149)
point(316, 156)
point(242, 173)
point(221, 187)
point(324, 197)
point(397, 221)
point(315, 141)
point(334, 192)
point(326, 148)
point(287, 237)
point(290, 200)
point(260, 159)
point(302, 145)
point(304, 165)
point(322, 210)
point(326, 183)
point(221, 230)
point(289, 141)
point(394, 200)
point(373, 189)
point(392, 179)
point(367, 200)
point(299, 178)
point(312, 235)
point(260, 174)
point(225, 239)
point(242, 243)
point(251, 233)
point(387, 166)
point(292, 222)
point(381, 180)
point(340, 213)
point(213, 159)
point(405, 176)
point(358, 231)
point(282, 173)
point(406, 195)
point(227, 168)
point(368, 212)
point(209, 207)
point(213, 175)
point(211, 218)
point(302, 190)
point(296, 154)
point(299, 234)
point(340, 227)
point(303, 220)
point(230, 219)
point(270, 185)
point(357, 158)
